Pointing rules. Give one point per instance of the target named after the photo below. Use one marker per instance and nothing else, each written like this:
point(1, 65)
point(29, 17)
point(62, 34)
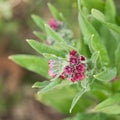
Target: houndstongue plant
point(84, 74)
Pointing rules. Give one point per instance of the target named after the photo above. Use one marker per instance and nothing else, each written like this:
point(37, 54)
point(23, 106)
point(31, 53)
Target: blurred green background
point(17, 100)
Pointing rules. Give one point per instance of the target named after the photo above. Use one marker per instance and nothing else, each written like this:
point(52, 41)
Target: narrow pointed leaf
point(107, 75)
point(87, 30)
point(76, 98)
point(39, 21)
point(94, 57)
point(117, 58)
point(40, 84)
point(110, 12)
point(40, 35)
point(110, 105)
point(90, 116)
point(50, 86)
point(58, 38)
point(55, 35)
point(98, 15)
point(55, 13)
point(32, 63)
point(42, 48)
point(112, 26)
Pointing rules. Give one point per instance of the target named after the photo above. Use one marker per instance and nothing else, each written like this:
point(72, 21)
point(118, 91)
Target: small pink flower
point(82, 59)
point(50, 72)
point(73, 53)
point(48, 42)
point(68, 70)
point(115, 79)
point(53, 24)
point(62, 76)
point(73, 60)
point(80, 68)
point(51, 63)
point(78, 77)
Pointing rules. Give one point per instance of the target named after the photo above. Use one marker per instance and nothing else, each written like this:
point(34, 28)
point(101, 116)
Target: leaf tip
point(10, 57)
point(70, 111)
point(94, 76)
point(33, 16)
point(28, 40)
point(48, 4)
point(92, 10)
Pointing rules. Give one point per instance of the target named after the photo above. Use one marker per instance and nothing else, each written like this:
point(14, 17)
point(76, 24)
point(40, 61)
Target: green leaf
point(61, 97)
point(110, 12)
point(106, 75)
point(117, 58)
point(97, 4)
point(95, 57)
point(40, 84)
point(112, 26)
point(39, 21)
point(32, 63)
point(84, 83)
point(50, 86)
point(76, 98)
point(110, 105)
point(98, 15)
point(58, 38)
point(87, 30)
point(55, 35)
point(55, 13)
point(89, 116)
point(40, 35)
point(42, 48)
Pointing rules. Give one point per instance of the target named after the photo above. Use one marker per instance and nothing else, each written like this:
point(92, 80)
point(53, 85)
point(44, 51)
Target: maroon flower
point(78, 77)
point(54, 24)
point(80, 68)
point(68, 70)
point(73, 60)
point(62, 76)
point(73, 53)
point(82, 59)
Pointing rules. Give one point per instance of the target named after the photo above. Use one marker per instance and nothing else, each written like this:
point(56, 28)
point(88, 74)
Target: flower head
point(68, 70)
point(78, 77)
point(73, 60)
point(54, 24)
point(73, 53)
point(80, 68)
point(74, 71)
point(62, 76)
point(82, 59)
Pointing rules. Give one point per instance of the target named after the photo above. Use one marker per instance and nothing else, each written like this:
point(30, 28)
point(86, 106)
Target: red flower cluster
point(74, 71)
point(54, 24)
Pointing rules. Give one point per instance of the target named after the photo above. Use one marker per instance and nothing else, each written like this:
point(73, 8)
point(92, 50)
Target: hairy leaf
point(32, 63)
point(110, 105)
point(56, 14)
point(40, 84)
point(87, 30)
point(42, 48)
point(39, 21)
point(106, 75)
point(50, 86)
